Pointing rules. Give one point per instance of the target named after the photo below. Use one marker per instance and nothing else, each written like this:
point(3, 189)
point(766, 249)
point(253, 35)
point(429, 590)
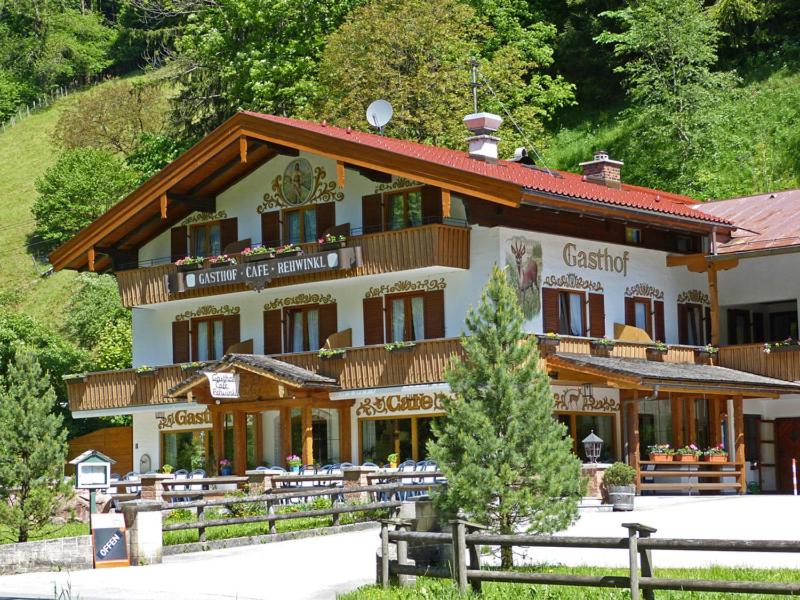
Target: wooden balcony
point(358, 368)
point(780, 363)
point(385, 252)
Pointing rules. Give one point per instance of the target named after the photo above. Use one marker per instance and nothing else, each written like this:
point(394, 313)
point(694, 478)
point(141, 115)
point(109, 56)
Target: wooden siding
point(385, 252)
point(363, 367)
point(780, 364)
point(115, 442)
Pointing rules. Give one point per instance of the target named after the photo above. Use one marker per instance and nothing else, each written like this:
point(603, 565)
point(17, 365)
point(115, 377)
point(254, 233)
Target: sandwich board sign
point(109, 541)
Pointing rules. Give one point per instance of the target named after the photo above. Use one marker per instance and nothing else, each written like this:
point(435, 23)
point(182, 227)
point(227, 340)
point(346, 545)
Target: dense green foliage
point(33, 446)
point(501, 401)
point(78, 188)
point(93, 308)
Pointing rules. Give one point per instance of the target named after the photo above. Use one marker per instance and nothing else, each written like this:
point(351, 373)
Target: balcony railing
point(385, 252)
point(780, 363)
point(358, 368)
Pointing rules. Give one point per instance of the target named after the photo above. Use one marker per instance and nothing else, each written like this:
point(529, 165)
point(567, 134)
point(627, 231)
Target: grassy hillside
point(25, 152)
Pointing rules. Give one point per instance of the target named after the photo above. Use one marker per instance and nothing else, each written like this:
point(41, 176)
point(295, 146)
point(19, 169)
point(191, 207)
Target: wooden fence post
point(460, 554)
point(635, 530)
point(402, 554)
point(271, 511)
point(384, 554)
point(201, 531)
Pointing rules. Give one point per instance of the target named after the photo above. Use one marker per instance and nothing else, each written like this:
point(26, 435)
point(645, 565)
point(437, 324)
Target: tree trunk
point(506, 552)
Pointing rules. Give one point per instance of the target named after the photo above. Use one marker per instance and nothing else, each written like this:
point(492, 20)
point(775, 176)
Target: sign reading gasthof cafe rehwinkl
point(258, 274)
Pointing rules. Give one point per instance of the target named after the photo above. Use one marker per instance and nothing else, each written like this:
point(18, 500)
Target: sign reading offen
point(257, 275)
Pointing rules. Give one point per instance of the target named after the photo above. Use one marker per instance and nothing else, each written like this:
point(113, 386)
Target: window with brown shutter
point(638, 312)
point(431, 204)
point(405, 317)
point(683, 324)
point(271, 228)
point(180, 341)
point(402, 209)
point(328, 322)
point(373, 321)
point(372, 213)
point(272, 332)
point(228, 233)
point(630, 312)
point(549, 310)
point(597, 315)
point(707, 327)
point(434, 314)
point(231, 331)
point(658, 320)
point(208, 337)
point(326, 218)
point(307, 327)
point(178, 242)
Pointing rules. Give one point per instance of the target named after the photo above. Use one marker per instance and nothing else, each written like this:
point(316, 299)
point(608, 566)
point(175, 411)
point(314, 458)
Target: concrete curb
point(254, 540)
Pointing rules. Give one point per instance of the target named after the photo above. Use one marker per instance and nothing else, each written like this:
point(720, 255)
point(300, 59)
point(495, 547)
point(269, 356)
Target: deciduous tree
point(508, 461)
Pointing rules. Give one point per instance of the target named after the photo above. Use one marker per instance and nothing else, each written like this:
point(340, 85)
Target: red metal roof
point(765, 221)
point(534, 180)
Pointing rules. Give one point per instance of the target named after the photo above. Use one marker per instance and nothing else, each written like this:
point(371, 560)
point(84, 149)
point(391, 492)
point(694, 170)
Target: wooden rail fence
point(641, 580)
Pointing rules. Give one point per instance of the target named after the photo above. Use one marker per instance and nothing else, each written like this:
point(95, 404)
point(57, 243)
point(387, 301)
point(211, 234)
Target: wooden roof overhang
point(229, 153)
point(575, 368)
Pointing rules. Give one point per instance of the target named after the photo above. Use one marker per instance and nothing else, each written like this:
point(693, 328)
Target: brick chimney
point(603, 170)
point(482, 143)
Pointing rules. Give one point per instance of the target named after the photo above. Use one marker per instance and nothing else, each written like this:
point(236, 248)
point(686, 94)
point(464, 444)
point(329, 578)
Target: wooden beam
point(676, 406)
point(308, 437)
point(738, 426)
point(286, 434)
point(340, 174)
point(345, 435)
point(445, 203)
point(713, 294)
point(90, 259)
point(371, 174)
point(239, 442)
point(163, 203)
point(243, 149)
point(283, 150)
point(691, 420)
point(696, 263)
point(195, 203)
point(714, 424)
point(633, 437)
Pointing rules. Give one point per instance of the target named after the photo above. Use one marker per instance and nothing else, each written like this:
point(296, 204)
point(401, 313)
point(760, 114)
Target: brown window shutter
point(272, 332)
point(178, 242)
point(271, 228)
point(228, 232)
point(231, 331)
point(327, 322)
point(707, 315)
point(180, 342)
point(373, 321)
point(597, 315)
point(549, 310)
point(372, 213)
point(326, 217)
point(630, 312)
point(683, 324)
point(658, 318)
point(434, 314)
point(431, 204)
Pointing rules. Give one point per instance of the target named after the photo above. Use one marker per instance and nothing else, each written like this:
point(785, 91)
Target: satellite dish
point(379, 113)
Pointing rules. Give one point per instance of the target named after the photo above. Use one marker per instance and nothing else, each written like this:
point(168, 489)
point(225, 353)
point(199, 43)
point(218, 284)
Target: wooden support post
point(243, 149)
point(459, 528)
point(217, 428)
point(635, 531)
point(384, 555)
point(345, 435)
point(286, 433)
point(714, 424)
point(239, 442)
point(713, 295)
point(691, 420)
point(445, 203)
point(90, 259)
point(308, 437)
point(676, 406)
point(633, 437)
point(633, 561)
point(738, 424)
point(340, 174)
point(414, 440)
point(163, 203)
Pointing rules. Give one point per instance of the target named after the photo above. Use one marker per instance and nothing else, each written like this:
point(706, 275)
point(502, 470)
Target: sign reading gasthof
point(257, 275)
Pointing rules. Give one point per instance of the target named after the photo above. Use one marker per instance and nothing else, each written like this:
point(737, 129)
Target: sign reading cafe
point(223, 385)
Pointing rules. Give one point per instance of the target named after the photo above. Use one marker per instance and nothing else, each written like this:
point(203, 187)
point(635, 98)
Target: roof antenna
point(379, 113)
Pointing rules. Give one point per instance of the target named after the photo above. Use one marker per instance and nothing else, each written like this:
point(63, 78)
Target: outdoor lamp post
point(592, 445)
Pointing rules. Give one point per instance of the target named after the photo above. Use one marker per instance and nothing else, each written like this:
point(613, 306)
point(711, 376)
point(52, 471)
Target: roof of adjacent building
point(262, 364)
point(764, 221)
point(650, 372)
point(532, 179)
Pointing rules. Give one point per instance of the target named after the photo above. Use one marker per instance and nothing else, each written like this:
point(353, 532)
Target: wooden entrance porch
point(266, 385)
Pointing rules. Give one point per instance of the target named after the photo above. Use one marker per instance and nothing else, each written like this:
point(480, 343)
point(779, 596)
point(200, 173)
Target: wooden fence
point(641, 580)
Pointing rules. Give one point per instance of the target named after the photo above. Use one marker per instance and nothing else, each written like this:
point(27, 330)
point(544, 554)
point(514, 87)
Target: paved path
point(312, 568)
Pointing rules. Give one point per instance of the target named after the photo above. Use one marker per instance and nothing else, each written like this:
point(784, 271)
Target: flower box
point(288, 253)
point(655, 354)
point(716, 458)
point(332, 245)
point(601, 349)
point(660, 457)
point(684, 458)
point(702, 357)
point(190, 267)
point(331, 355)
point(258, 257)
point(219, 265)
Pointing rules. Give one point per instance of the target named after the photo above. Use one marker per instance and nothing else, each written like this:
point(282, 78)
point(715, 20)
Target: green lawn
point(50, 531)
point(440, 589)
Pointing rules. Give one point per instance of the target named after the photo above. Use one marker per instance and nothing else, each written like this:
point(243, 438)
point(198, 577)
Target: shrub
point(619, 474)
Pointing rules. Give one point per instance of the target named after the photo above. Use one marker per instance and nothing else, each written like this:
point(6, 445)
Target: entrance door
point(787, 436)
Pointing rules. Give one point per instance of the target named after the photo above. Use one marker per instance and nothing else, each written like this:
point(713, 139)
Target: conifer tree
point(32, 447)
point(508, 461)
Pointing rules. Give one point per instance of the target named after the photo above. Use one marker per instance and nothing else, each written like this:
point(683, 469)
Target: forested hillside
point(699, 97)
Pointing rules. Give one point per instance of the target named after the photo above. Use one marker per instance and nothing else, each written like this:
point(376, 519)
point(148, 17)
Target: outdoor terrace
point(357, 368)
point(432, 245)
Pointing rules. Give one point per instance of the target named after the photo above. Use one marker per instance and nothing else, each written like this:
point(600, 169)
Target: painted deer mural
point(527, 275)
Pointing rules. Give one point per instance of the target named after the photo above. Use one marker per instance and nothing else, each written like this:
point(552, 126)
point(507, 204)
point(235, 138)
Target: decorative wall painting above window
point(300, 184)
point(524, 261)
point(644, 290)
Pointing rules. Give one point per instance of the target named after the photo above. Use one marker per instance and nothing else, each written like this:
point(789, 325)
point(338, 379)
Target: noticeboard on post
point(109, 541)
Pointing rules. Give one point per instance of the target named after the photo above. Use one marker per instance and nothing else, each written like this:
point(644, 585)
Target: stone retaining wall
point(58, 554)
